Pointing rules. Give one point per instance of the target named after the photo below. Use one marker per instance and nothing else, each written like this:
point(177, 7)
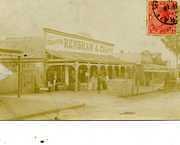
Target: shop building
point(31, 64)
point(75, 62)
point(9, 72)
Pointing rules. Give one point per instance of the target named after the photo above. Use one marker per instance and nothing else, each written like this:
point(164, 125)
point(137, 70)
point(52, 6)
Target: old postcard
point(89, 60)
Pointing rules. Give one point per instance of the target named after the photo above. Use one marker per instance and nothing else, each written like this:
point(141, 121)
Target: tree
point(173, 44)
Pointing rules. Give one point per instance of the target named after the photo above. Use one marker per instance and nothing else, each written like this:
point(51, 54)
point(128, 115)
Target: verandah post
point(76, 67)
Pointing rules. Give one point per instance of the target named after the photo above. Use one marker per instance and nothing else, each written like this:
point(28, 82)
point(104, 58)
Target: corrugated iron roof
point(85, 57)
point(5, 50)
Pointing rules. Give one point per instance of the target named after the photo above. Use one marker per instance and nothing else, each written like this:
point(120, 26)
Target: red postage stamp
point(161, 17)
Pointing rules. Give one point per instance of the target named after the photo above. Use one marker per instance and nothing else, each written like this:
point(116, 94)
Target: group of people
point(52, 85)
point(98, 82)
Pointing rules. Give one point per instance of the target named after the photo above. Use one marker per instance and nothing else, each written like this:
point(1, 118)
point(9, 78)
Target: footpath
point(123, 88)
point(30, 105)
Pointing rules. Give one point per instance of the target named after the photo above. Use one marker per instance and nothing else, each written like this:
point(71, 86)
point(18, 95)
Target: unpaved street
point(154, 106)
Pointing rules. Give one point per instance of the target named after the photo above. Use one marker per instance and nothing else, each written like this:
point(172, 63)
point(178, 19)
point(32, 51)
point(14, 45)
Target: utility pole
point(19, 76)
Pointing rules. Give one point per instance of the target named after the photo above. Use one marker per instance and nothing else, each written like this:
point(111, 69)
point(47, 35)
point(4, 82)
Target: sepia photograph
point(89, 60)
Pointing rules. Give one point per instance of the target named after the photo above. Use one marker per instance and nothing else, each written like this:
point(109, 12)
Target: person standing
point(93, 82)
point(54, 81)
point(100, 81)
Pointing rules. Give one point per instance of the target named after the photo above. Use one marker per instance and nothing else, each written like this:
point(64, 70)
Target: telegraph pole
point(19, 76)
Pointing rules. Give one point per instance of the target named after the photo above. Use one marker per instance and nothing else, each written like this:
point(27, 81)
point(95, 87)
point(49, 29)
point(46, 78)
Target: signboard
point(76, 43)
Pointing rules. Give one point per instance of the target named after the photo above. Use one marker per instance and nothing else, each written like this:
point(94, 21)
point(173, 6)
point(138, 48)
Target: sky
point(122, 22)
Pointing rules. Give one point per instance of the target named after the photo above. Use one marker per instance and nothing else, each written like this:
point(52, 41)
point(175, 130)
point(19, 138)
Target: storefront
point(26, 57)
point(23, 75)
point(76, 62)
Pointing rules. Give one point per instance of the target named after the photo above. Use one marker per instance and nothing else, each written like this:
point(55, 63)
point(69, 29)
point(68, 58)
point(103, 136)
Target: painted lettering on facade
point(58, 42)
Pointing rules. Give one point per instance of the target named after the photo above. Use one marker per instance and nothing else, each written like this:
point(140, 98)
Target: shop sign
point(64, 43)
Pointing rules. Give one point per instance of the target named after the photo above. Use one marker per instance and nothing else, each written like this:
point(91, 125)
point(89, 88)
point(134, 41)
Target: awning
point(155, 68)
point(4, 72)
point(85, 57)
point(12, 52)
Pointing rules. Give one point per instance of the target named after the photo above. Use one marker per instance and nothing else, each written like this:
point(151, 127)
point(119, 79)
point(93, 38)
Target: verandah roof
point(85, 57)
point(10, 51)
